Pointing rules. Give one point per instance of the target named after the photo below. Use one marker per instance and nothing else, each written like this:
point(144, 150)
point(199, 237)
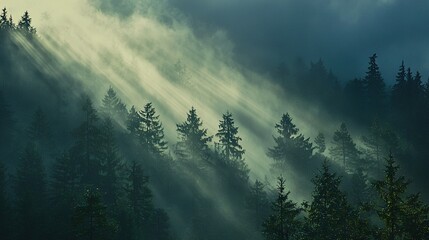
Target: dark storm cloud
point(342, 33)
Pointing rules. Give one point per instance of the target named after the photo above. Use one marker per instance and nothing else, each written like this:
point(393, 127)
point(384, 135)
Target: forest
point(74, 166)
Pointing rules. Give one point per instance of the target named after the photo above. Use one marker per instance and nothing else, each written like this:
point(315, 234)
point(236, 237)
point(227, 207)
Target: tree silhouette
point(344, 149)
point(402, 217)
point(90, 218)
point(64, 188)
point(257, 204)
point(111, 165)
point(193, 139)
point(320, 143)
point(140, 200)
point(329, 215)
point(151, 132)
point(30, 192)
point(229, 145)
point(86, 150)
point(112, 106)
point(283, 223)
point(375, 87)
point(290, 147)
point(25, 24)
point(133, 121)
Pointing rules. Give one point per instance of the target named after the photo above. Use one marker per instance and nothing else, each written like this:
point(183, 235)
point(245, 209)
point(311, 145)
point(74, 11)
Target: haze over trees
point(79, 167)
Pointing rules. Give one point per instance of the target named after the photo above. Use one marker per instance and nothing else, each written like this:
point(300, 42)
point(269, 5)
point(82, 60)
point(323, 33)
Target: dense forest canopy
point(131, 126)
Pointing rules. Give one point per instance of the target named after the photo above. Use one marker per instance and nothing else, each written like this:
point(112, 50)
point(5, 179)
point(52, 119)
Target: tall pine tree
point(30, 193)
point(374, 87)
point(291, 147)
point(283, 224)
point(193, 139)
point(344, 149)
point(151, 132)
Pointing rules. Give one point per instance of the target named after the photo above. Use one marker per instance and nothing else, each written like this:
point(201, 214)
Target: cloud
point(343, 33)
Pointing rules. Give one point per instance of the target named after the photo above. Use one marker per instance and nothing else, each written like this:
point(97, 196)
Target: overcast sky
point(344, 33)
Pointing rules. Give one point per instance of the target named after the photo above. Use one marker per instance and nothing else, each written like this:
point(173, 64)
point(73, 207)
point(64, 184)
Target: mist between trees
point(74, 166)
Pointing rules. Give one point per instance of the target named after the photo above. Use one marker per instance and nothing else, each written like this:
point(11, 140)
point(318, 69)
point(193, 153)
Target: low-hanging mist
point(147, 60)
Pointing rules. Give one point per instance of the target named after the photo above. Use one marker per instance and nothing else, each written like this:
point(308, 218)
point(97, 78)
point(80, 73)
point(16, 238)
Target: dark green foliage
point(391, 191)
point(257, 204)
point(90, 219)
point(64, 189)
point(133, 121)
point(5, 22)
point(229, 145)
point(290, 147)
point(319, 141)
point(379, 142)
point(329, 215)
point(139, 199)
point(399, 90)
point(25, 24)
point(151, 132)
point(229, 142)
point(86, 150)
point(112, 106)
point(344, 149)
point(283, 223)
point(374, 87)
point(111, 165)
point(30, 193)
point(416, 218)
point(193, 139)
point(403, 217)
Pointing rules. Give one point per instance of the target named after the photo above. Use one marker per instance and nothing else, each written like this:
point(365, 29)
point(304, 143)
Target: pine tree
point(111, 165)
point(193, 139)
point(399, 90)
point(86, 150)
point(4, 21)
point(229, 141)
point(229, 145)
point(416, 218)
point(257, 204)
point(140, 200)
point(329, 215)
point(391, 191)
point(375, 87)
point(64, 188)
point(133, 121)
point(112, 106)
point(320, 143)
point(151, 132)
point(290, 147)
point(283, 223)
point(30, 192)
point(90, 219)
point(344, 149)
point(25, 24)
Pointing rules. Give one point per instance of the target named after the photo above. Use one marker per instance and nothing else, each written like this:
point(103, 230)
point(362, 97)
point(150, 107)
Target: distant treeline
point(70, 170)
